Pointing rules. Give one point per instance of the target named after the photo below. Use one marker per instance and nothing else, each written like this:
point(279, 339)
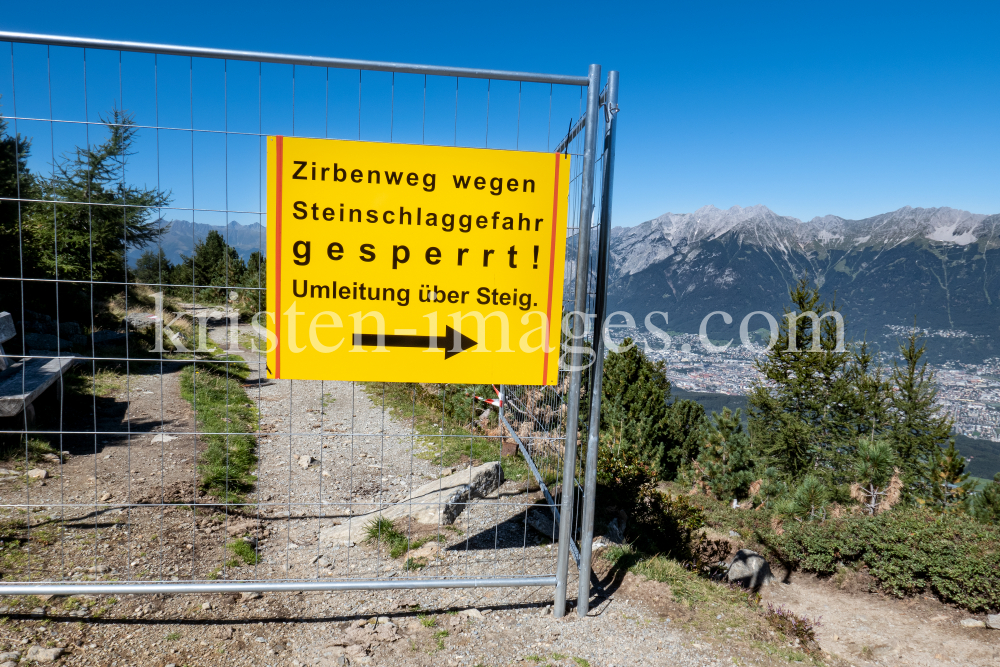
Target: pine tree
point(809, 500)
point(793, 409)
point(152, 268)
point(686, 430)
point(873, 472)
point(634, 406)
point(86, 241)
point(16, 181)
point(950, 484)
point(985, 505)
point(726, 459)
point(920, 430)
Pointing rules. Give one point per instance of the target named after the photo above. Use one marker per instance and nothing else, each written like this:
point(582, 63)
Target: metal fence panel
point(182, 468)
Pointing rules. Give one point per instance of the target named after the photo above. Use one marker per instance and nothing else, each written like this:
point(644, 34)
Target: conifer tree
point(950, 484)
point(985, 505)
point(16, 181)
point(809, 500)
point(686, 430)
point(634, 406)
point(726, 458)
point(919, 430)
point(873, 472)
point(84, 241)
point(794, 408)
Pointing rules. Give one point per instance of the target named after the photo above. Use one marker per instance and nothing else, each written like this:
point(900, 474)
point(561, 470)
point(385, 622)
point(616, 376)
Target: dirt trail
point(870, 629)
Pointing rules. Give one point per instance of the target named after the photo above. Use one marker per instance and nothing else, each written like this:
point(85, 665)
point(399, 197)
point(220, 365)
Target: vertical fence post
point(579, 331)
point(593, 432)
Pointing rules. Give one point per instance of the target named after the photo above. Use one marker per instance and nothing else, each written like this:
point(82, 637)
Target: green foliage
point(657, 522)
point(873, 470)
point(686, 427)
point(634, 411)
point(153, 268)
point(381, 530)
point(634, 407)
point(90, 241)
point(905, 550)
point(985, 505)
point(950, 484)
point(16, 180)
point(726, 460)
point(245, 551)
point(809, 500)
point(794, 407)
point(223, 408)
point(622, 477)
point(920, 430)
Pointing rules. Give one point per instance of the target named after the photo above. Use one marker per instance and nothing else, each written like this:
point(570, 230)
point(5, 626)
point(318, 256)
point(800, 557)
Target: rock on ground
point(435, 503)
point(750, 569)
point(39, 654)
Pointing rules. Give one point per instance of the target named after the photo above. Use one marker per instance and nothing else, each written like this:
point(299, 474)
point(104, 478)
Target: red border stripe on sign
point(552, 271)
point(279, 146)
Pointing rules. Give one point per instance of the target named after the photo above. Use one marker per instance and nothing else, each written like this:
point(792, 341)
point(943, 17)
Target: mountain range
point(940, 266)
point(181, 235)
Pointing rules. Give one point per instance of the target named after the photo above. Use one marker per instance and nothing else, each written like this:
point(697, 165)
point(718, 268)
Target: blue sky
point(845, 108)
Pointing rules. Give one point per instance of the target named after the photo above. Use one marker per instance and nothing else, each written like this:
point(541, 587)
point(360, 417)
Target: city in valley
point(969, 392)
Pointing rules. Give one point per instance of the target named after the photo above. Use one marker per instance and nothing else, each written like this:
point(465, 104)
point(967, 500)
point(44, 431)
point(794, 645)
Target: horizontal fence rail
point(285, 59)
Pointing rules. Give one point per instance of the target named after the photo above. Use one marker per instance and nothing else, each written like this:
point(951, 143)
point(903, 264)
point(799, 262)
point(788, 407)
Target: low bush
point(658, 522)
point(905, 550)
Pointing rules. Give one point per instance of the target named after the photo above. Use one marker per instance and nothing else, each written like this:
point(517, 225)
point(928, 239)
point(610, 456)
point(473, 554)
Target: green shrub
point(657, 522)
point(905, 550)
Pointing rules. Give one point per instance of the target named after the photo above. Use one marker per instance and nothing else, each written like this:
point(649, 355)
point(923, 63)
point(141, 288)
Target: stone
point(993, 621)
point(972, 623)
point(162, 437)
point(105, 497)
point(541, 521)
point(206, 606)
point(102, 337)
point(98, 569)
point(305, 461)
point(250, 595)
point(614, 533)
point(749, 569)
point(47, 342)
point(10, 655)
point(8, 663)
point(39, 654)
point(223, 632)
point(471, 613)
point(436, 503)
point(38, 473)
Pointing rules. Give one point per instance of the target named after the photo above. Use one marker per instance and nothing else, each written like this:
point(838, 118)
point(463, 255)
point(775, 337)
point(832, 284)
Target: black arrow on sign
point(452, 342)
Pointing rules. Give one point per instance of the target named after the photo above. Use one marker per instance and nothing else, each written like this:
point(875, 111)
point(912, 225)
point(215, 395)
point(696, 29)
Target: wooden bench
point(23, 381)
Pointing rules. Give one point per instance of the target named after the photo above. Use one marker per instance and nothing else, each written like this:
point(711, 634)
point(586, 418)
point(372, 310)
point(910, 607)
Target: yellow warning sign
point(395, 262)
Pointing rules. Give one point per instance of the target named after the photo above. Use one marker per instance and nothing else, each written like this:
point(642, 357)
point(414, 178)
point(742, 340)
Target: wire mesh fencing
point(143, 446)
